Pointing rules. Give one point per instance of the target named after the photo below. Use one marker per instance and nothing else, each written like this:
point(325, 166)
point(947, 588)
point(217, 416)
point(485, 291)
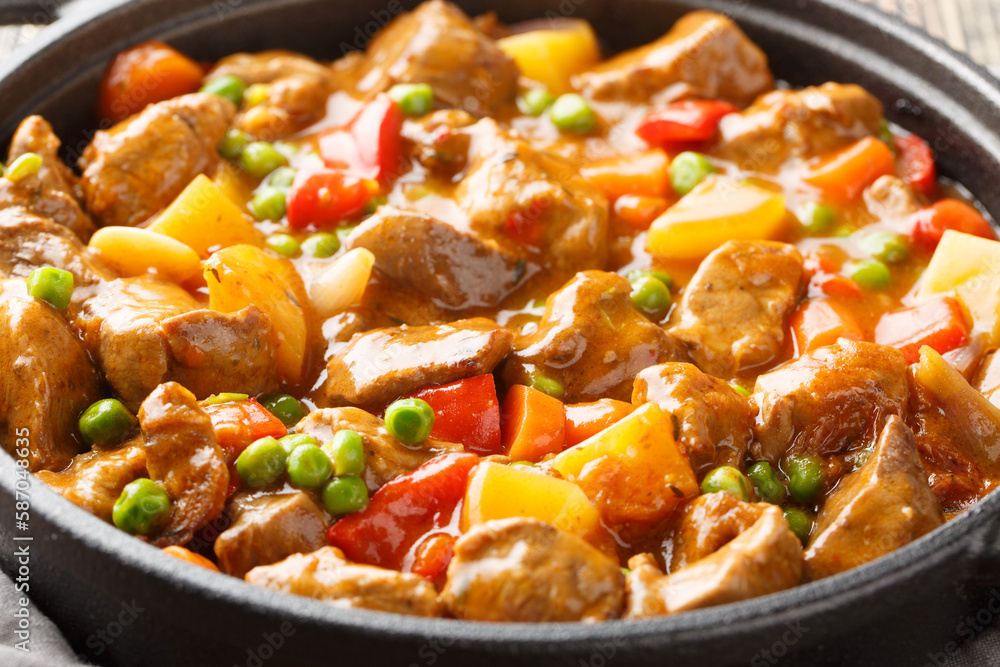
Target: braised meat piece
point(437, 44)
point(381, 365)
point(297, 90)
point(95, 479)
point(527, 571)
point(732, 314)
point(765, 558)
point(797, 123)
point(453, 268)
point(706, 524)
point(591, 340)
point(183, 456)
point(385, 457)
point(828, 401)
point(715, 422)
point(53, 192)
point(890, 198)
point(269, 528)
point(140, 165)
point(327, 576)
point(704, 55)
point(48, 380)
point(881, 507)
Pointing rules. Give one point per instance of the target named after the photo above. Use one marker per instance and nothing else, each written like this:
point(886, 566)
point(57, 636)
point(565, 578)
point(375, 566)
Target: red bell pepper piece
point(239, 423)
point(322, 197)
point(468, 412)
point(370, 145)
point(939, 323)
point(929, 224)
point(915, 162)
point(432, 555)
point(682, 122)
point(402, 513)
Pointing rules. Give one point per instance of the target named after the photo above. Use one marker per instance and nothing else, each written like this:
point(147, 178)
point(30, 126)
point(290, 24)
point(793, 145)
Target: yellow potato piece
point(241, 275)
point(501, 492)
point(206, 219)
point(553, 57)
point(968, 267)
point(717, 210)
point(132, 252)
point(632, 470)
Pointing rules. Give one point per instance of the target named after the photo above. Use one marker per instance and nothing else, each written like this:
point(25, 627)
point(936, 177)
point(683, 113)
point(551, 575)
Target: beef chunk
point(797, 123)
point(704, 55)
point(383, 364)
point(526, 571)
point(144, 331)
point(437, 44)
point(269, 528)
point(326, 575)
point(836, 398)
point(385, 457)
point(140, 165)
point(48, 380)
point(732, 315)
point(765, 558)
point(452, 267)
point(297, 90)
point(95, 479)
point(881, 507)
point(716, 423)
point(183, 456)
point(591, 340)
point(706, 524)
point(52, 193)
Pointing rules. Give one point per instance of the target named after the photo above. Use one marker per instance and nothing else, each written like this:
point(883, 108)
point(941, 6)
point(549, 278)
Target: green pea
point(232, 145)
point(534, 102)
point(54, 286)
point(343, 495)
point(282, 177)
point(409, 420)
point(347, 451)
point(869, 273)
point(805, 476)
point(415, 99)
point(688, 170)
point(726, 478)
point(141, 508)
point(283, 244)
point(24, 166)
point(268, 204)
point(799, 522)
point(886, 246)
point(547, 385)
point(261, 463)
point(224, 397)
point(286, 408)
point(664, 277)
point(105, 422)
point(255, 94)
point(738, 388)
point(651, 297)
point(293, 440)
point(816, 218)
point(228, 86)
point(571, 113)
point(765, 479)
point(308, 466)
point(321, 245)
point(260, 158)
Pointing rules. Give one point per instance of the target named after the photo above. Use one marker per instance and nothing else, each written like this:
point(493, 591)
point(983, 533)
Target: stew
point(478, 324)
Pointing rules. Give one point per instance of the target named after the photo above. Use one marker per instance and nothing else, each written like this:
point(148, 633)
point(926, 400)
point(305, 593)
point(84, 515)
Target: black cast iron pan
point(121, 602)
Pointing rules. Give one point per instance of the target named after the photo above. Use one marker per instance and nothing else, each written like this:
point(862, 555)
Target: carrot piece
point(819, 322)
point(147, 73)
point(638, 211)
point(847, 172)
point(939, 324)
point(532, 424)
point(586, 419)
point(642, 173)
point(189, 556)
point(238, 423)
